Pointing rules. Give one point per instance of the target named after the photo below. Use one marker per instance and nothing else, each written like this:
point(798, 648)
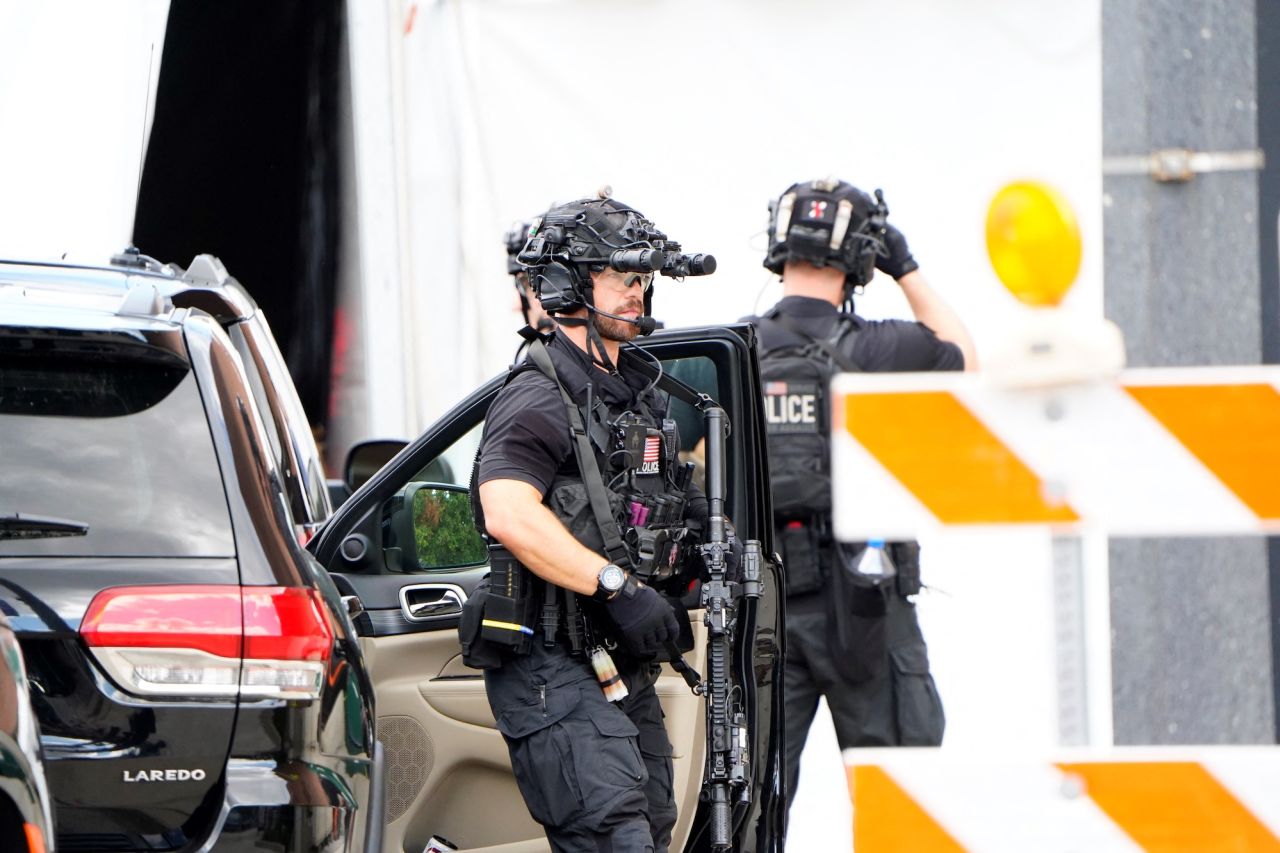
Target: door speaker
point(410, 754)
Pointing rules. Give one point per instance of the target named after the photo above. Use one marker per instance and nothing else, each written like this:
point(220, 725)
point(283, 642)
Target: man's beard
point(610, 329)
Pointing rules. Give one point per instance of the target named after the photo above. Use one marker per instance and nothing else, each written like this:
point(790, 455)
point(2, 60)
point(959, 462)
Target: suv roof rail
point(206, 269)
point(144, 300)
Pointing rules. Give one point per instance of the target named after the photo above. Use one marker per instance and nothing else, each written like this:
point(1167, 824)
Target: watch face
point(612, 577)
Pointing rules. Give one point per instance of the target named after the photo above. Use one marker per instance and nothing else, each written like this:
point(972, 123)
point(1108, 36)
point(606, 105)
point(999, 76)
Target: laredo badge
point(170, 775)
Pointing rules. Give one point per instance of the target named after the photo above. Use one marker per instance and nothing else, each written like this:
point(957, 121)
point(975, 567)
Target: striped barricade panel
point(1158, 800)
point(1178, 451)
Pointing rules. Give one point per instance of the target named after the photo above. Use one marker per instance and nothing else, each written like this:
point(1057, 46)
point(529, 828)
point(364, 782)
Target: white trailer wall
point(697, 111)
point(77, 91)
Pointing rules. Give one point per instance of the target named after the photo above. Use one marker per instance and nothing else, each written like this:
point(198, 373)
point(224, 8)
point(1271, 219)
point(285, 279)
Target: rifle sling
point(588, 469)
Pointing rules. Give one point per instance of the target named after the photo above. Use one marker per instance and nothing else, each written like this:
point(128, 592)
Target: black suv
point(194, 672)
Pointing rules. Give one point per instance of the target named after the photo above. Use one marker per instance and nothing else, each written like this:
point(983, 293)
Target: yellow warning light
point(1034, 242)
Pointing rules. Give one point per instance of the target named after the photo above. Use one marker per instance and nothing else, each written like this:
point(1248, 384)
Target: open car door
point(405, 553)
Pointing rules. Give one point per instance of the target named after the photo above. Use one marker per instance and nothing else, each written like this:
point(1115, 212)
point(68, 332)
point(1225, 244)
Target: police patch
point(652, 458)
point(791, 407)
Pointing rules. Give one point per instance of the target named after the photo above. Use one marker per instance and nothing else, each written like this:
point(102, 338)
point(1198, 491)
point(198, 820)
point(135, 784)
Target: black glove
point(645, 619)
point(896, 258)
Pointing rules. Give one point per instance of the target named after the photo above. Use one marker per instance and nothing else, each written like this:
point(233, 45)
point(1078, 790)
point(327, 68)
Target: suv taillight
point(211, 641)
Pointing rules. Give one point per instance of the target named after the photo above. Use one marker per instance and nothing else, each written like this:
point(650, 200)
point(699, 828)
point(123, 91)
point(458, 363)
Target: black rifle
point(726, 782)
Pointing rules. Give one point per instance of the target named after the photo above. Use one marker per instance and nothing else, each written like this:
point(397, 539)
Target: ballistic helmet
point(570, 241)
point(515, 238)
point(827, 223)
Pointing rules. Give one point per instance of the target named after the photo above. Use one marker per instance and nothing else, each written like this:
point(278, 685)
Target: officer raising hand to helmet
point(577, 465)
point(852, 633)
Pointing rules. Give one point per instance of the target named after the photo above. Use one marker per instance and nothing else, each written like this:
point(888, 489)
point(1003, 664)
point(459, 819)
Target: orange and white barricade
point(1173, 451)
point(1156, 799)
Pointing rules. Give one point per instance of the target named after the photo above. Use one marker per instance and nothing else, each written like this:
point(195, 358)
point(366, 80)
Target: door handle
point(420, 603)
point(353, 605)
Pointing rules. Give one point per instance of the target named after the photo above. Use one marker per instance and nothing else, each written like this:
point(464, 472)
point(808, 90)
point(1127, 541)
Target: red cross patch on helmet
point(817, 210)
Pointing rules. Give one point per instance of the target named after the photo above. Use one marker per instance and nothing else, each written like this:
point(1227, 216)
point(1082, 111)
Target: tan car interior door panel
point(448, 772)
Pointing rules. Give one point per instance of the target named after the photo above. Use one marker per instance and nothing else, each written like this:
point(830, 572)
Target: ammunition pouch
point(509, 606)
point(477, 651)
point(802, 556)
point(659, 554)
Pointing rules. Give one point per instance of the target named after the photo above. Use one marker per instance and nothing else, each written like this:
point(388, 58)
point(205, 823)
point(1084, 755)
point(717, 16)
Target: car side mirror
point(430, 526)
point(366, 457)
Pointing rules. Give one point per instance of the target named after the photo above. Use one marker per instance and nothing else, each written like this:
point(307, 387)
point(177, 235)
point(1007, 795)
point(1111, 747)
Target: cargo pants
point(596, 774)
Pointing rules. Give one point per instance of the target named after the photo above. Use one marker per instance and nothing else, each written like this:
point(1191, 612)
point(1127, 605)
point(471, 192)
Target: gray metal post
point(1192, 656)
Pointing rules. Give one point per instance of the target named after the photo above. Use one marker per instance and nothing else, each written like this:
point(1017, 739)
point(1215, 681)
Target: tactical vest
point(795, 379)
point(635, 452)
point(633, 513)
point(798, 418)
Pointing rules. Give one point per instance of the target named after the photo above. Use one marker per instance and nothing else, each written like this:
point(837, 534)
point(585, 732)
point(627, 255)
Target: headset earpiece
point(558, 288)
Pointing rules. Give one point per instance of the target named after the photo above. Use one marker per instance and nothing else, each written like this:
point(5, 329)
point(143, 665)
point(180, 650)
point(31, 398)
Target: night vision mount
point(572, 240)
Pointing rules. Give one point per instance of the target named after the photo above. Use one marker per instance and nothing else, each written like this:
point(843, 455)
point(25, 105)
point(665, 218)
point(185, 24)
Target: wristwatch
point(609, 582)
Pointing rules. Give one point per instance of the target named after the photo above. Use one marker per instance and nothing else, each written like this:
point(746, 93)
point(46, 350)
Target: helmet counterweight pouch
point(827, 223)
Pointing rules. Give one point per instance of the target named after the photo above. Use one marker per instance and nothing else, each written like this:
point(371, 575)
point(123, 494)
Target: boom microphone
point(644, 323)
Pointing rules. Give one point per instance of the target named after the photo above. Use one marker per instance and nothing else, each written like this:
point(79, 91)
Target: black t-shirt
point(526, 434)
point(880, 346)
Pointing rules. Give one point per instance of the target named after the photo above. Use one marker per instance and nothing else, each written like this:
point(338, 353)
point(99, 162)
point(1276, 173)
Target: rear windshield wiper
point(19, 526)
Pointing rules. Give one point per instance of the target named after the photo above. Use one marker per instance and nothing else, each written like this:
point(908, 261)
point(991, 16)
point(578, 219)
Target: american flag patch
point(652, 448)
point(773, 389)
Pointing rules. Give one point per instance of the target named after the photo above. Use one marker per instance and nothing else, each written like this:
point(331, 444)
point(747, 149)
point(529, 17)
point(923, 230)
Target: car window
point(121, 448)
point(236, 334)
point(443, 525)
point(700, 374)
point(297, 426)
point(292, 444)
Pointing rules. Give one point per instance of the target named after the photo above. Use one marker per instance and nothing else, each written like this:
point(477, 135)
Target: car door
point(402, 551)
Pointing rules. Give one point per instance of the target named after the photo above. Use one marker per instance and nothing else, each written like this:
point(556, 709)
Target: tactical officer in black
point(589, 512)
point(530, 307)
point(852, 635)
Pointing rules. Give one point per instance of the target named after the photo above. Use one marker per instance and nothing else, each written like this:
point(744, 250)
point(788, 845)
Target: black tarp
point(243, 163)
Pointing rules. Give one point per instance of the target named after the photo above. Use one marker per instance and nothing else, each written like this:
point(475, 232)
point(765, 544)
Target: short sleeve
point(902, 345)
point(526, 435)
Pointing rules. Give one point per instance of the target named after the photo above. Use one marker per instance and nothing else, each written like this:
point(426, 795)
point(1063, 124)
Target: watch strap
point(630, 586)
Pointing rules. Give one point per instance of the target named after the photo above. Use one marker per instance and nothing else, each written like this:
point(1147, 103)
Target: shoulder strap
point(830, 346)
point(588, 469)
